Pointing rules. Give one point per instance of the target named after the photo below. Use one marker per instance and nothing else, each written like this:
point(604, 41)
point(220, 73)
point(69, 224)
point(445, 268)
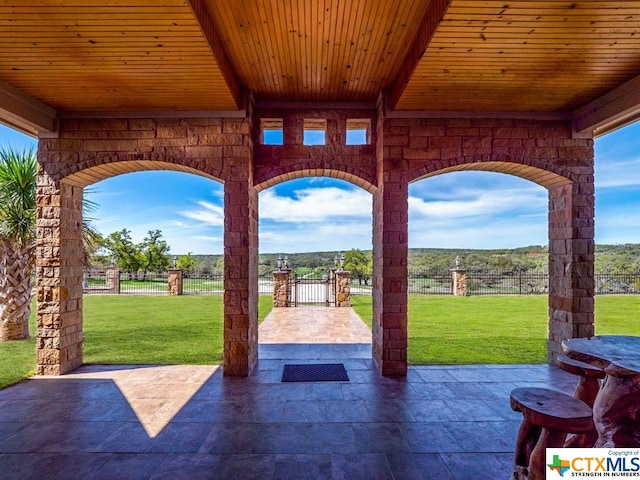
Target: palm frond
point(18, 180)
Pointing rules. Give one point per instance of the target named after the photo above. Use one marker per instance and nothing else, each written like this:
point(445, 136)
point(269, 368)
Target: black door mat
point(317, 372)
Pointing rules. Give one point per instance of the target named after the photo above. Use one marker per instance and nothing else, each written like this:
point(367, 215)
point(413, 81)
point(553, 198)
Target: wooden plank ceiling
point(498, 55)
point(111, 55)
point(483, 55)
point(323, 50)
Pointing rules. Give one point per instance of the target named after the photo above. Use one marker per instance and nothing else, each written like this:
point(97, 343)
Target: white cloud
point(471, 203)
point(315, 205)
point(209, 214)
point(617, 175)
point(317, 237)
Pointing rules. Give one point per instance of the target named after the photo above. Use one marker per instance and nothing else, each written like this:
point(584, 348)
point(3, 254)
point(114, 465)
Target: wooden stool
point(586, 390)
point(590, 378)
point(548, 416)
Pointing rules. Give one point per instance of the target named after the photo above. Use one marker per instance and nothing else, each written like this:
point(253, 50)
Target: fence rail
point(153, 283)
point(426, 282)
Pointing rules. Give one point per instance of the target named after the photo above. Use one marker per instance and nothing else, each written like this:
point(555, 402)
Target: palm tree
point(18, 179)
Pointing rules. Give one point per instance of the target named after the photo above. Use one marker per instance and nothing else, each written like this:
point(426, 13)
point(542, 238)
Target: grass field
point(442, 329)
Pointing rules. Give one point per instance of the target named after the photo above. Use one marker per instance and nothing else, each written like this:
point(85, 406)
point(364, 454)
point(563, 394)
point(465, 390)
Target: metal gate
point(313, 291)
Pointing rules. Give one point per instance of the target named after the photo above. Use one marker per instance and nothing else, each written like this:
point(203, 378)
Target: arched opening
point(488, 231)
point(60, 269)
point(617, 263)
point(159, 227)
point(311, 230)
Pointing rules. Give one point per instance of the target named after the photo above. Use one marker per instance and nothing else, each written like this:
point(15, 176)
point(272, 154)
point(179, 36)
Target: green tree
point(126, 254)
point(155, 251)
point(360, 264)
point(187, 263)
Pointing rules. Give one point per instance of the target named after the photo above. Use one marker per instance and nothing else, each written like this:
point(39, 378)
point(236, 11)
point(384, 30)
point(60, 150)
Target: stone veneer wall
point(543, 152)
point(402, 150)
point(59, 272)
point(89, 150)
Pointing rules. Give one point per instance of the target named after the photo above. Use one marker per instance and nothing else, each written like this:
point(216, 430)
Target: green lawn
point(494, 329)
point(442, 329)
point(137, 329)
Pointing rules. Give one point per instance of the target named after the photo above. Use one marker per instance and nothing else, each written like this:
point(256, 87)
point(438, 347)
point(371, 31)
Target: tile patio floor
point(189, 422)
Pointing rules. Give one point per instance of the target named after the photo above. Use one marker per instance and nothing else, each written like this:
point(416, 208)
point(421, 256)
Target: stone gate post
point(174, 280)
point(459, 281)
point(343, 288)
point(112, 279)
point(282, 288)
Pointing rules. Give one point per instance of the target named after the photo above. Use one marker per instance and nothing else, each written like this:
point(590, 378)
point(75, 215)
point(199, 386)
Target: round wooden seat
point(552, 410)
point(579, 368)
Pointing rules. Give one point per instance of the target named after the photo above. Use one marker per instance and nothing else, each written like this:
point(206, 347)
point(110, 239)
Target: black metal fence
point(425, 282)
point(156, 283)
point(431, 282)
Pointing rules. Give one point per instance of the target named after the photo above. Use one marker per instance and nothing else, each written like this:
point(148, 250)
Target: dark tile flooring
point(190, 422)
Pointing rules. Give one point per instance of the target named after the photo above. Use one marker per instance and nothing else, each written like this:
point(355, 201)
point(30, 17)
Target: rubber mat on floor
point(315, 372)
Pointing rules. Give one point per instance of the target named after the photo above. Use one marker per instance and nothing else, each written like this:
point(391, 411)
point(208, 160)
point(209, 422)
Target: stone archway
point(88, 150)
point(400, 150)
point(569, 184)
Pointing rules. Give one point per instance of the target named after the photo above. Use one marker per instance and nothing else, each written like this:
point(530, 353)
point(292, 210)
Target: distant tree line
point(153, 255)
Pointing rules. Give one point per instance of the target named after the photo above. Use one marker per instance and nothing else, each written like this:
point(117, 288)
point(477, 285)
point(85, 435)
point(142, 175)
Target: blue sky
point(456, 210)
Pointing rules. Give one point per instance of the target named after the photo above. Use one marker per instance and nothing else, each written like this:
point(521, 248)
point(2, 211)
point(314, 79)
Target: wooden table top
point(617, 355)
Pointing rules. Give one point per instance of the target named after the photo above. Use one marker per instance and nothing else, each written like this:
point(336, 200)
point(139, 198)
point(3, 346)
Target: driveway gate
point(313, 291)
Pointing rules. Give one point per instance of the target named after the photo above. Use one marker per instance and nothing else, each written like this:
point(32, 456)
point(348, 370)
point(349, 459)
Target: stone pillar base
point(174, 279)
point(282, 288)
point(343, 288)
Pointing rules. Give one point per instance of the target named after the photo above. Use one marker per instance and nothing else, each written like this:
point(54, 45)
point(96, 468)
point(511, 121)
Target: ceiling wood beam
point(432, 18)
point(211, 33)
point(23, 112)
point(612, 110)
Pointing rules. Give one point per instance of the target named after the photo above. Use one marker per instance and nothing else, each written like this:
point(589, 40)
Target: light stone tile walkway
point(313, 325)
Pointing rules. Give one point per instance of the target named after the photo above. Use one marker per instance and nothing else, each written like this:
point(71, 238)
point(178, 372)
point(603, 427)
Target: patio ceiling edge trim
point(23, 112)
point(611, 111)
point(549, 116)
point(156, 114)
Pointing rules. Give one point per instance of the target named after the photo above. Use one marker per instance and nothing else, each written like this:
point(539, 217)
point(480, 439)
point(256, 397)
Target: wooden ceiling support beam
point(613, 110)
point(24, 113)
point(211, 33)
point(432, 18)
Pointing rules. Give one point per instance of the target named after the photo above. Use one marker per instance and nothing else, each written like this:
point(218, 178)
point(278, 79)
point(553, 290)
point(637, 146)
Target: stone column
point(390, 250)
point(112, 279)
point(282, 288)
point(174, 279)
point(343, 288)
point(59, 271)
point(240, 271)
point(571, 261)
point(459, 279)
